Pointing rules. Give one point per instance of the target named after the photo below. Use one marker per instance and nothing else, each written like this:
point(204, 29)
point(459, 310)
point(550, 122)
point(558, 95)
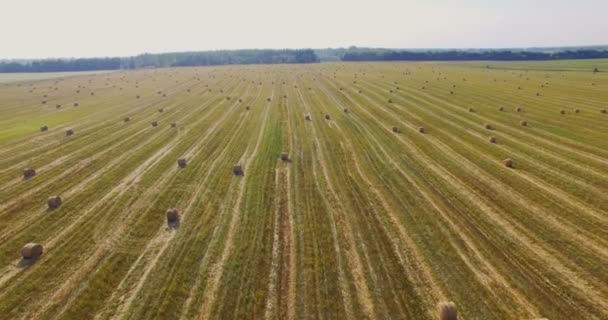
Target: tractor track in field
point(414, 265)
point(160, 242)
point(217, 268)
point(339, 220)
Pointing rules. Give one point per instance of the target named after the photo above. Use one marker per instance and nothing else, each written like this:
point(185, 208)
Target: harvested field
point(322, 201)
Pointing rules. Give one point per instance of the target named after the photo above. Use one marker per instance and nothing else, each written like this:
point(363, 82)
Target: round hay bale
point(172, 216)
point(447, 311)
point(28, 173)
point(154, 123)
point(562, 111)
point(604, 111)
point(228, 98)
point(44, 128)
point(126, 119)
point(360, 91)
point(181, 163)
point(31, 251)
point(327, 117)
point(523, 123)
point(161, 110)
point(44, 102)
point(173, 125)
point(471, 110)
point(488, 126)
point(307, 117)
point(268, 99)
point(76, 104)
point(237, 170)
point(240, 100)
point(501, 109)
point(58, 106)
point(345, 110)
point(137, 97)
point(396, 129)
point(577, 110)
point(54, 202)
point(390, 100)
point(69, 132)
point(422, 130)
point(492, 139)
point(508, 163)
point(518, 109)
point(284, 156)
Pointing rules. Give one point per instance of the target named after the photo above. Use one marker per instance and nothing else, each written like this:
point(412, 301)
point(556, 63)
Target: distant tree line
point(57, 65)
point(363, 54)
point(179, 59)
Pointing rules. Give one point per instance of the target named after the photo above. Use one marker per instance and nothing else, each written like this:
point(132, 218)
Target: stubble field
point(360, 222)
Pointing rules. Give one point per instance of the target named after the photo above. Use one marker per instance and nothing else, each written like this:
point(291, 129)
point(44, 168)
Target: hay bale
point(447, 311)
point(390, 100)
point(492, 139)
point(284, 156)
point(604, 111)
point(58, 106)
point(154, 123)
point(327, 117)
point(360, 91)
point(508, 163)
point(44, 102)
point(228, 98)
point(137, 97)
point(518, 109)
point(268, 99)
point(69, 132)
point(562, 111)
point(237, 170)
point(126, 119)
point(488, 126)
point(161, 110)
point(173, 125)
point(172, 216)
point(240, 100)
point(44, 128)
point(54, 202)
point(181, 163)
point(307, 117)
point(28, 173)
point(501, 109)
point(345, 110)
point(76, 104)
point(422, 130)
point(471, 110)
point(523, 123)
point(396, 129)
point(577, 110)
point(247, 108)
point(31, 251)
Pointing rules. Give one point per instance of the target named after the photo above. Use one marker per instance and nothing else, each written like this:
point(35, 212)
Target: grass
point(360, 223)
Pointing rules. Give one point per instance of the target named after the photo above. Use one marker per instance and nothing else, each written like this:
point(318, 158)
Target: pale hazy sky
point(84, 28)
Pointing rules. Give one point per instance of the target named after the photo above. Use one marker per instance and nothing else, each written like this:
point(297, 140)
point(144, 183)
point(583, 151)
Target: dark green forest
point(269, 56)
point(163, 60)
